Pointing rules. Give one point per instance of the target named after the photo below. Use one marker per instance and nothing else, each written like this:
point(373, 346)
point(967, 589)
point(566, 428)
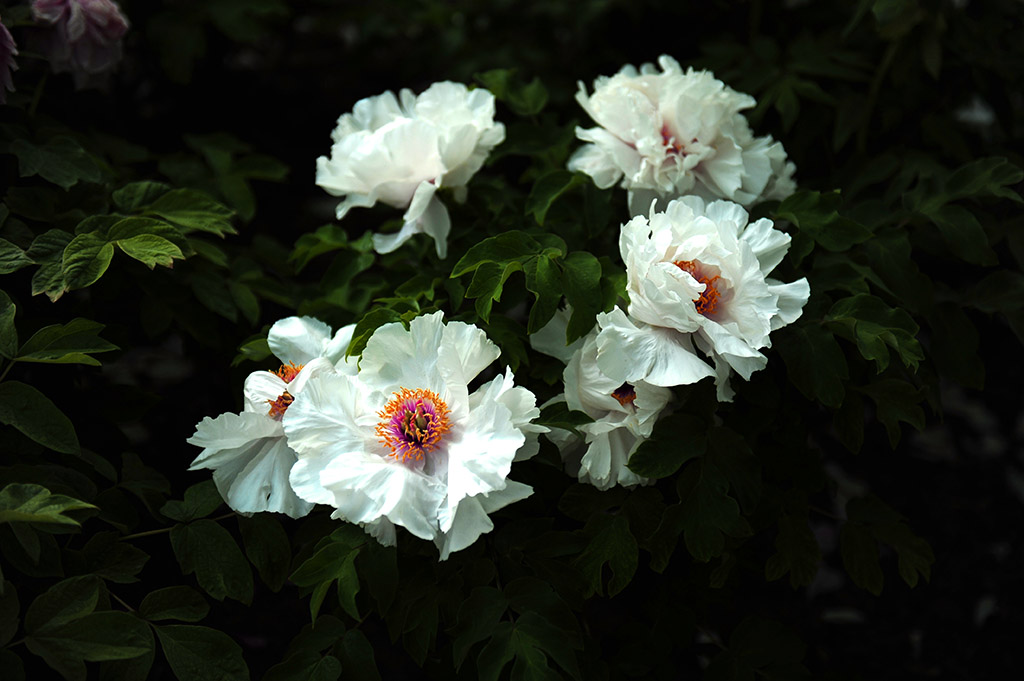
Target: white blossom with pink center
point(405, 443)
point(248, 452)
point(697, 277)
point(401, 150)
point(670, 133)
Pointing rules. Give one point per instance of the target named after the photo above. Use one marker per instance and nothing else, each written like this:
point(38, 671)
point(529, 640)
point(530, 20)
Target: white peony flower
point(400, 151)
point(405, 443)
point(624, 414)
point(248, 452)
point(668, 134)
point(697, 275)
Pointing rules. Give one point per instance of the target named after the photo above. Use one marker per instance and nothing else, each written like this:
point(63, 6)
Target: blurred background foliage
point(153, 230)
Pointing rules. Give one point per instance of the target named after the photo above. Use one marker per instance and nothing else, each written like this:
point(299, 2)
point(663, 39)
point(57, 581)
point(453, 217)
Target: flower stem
point(3, 375)
point(150, 533)
point(114, 596)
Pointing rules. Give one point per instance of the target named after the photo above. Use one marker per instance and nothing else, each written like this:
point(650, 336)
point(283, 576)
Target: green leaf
point(558, 415)
point(796, 552)
point(370, 322)
point(31, 412)
point(817, 215)
point(46, 251)
point(192, 210)
point(357, 658)
point(985, 177)
point(12, 665)
point(174, 603)
point(151, 250)
point(708, 513)
point(543, 281)
point(104, 555)
point(675, 440)
point(208, 550)
point(24, 503)
point(896, 401)
point(137, 195)
point(8, 332)
point(814, 361)
point(334, 562)
point(581, 277)
point(963, 233)
point(12, 258)
point(548, 188)
point(889, 527)
point(306, 665)
point(478, 616)
point(860, 557)
point(201, 499)
point(378, 566)
point(9, 609)
point(504, 248)
point(530, 641)
point(64, 602)
point(202, 654)
point(267, 547)
point(61, 161)
point(760, 648)
point(488, 283)
point(614, 544)
point(731, 454)
point(525, 100)
point(70, 343)
point(85, 260)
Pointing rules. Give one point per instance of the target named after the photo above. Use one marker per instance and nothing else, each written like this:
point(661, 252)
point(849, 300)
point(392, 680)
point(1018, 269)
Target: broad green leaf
point(524, 99)
point(70, 343)
point(201, 499)
point(357, 658)
point(963, 233)
point(306, 665)
point(334, 562)
point(496, 654)
point(47, 251)
point(24, 503)
point(370, 322)
point(581, 277)
point(106, 556)
point(731, 454)
point(478, 616)
point(245, 300)
point(12, 258)
point(506, 247)
point(888, 526)
point(208, 550)
point(708, 513)
point(817, 215)
point(31, 412)
point(174, 603)
point(543, 281)
point(860, 557)
point(760, 648)
point(814, 361)
point(985, 177)
point(488, 283)
point(615, 545)
point(133, 669)
point(151, 250)
point(378, 566)
point(98, 636)
point(558, 415)
point(548, 188)
point(255, 350)
point(896, 401)
point(201, 653)
point(64, 602)
point(796, 552)
point(61, 160)
point(85, 260)
point(675, 440)
point(212, 291)
point(10, 608)
point(8, 332)
point(267, 547)
point(137, 195)
point(12, 665)
point(193, 211)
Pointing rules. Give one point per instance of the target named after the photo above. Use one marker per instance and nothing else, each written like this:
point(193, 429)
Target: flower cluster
point(672, 133)
point(402, 150)
point(399, 441)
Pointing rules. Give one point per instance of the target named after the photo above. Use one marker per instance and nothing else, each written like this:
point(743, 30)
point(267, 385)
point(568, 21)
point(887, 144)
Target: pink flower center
point(625, 394)
point(710, 298)
point(672, 142)
point(413, 423)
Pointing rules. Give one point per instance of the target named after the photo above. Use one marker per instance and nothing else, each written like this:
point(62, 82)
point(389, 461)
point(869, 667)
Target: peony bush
point(719, 386)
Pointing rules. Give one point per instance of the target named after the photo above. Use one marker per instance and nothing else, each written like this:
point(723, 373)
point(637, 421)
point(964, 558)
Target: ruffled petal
point(298, 339)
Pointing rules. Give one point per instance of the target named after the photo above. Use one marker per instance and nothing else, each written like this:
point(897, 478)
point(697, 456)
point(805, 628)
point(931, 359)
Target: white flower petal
point(298, 340)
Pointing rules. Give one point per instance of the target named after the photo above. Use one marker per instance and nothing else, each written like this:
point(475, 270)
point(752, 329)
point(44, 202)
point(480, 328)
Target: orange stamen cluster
point(708, 302)
point(279, 406)
point(413, 423)
point(289, 371)
point(625, 394)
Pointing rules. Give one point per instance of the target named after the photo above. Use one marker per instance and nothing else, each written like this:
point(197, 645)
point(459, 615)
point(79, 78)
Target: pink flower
point(7, 65)
point(87, 38)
